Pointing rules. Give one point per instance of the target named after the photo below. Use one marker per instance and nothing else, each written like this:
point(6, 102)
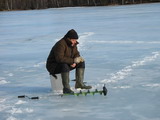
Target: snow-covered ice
point(121, 47)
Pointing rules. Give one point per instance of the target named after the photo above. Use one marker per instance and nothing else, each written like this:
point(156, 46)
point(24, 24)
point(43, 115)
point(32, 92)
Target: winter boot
point(65, 82)
point(80, 78)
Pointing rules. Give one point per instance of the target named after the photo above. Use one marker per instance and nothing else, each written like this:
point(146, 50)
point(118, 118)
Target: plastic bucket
point(56, 84)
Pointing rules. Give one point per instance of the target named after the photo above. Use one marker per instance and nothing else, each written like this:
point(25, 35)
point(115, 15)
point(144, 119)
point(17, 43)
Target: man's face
point(73, 41)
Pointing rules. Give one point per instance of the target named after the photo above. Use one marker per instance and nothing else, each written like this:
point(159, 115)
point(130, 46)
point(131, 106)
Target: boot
point(65, 82)
point(80, 78)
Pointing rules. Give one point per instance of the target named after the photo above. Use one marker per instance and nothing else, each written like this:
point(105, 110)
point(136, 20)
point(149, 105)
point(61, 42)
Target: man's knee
point(81, 65)
point(65, 68)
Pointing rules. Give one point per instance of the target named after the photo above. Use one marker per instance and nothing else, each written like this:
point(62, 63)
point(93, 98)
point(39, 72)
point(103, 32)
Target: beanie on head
point(72, 34)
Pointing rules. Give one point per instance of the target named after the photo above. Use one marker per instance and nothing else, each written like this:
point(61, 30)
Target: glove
point(78, 60)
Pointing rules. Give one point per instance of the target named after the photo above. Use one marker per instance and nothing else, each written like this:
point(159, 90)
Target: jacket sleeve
point(76, 54)
point(59, 52)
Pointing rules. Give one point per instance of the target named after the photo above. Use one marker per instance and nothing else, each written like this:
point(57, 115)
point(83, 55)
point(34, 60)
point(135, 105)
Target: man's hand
point(78, 60)
point(73, 65)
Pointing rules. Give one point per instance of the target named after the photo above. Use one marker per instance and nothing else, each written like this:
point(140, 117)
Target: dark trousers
point(66, 68)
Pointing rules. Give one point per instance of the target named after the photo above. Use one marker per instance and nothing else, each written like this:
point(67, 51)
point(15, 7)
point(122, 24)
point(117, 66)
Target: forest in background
point(43, 4)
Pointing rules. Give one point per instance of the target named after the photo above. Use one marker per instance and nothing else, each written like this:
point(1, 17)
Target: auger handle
point(105, 90)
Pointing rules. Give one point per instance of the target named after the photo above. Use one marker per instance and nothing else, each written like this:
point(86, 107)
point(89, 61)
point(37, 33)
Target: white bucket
point(56, 84)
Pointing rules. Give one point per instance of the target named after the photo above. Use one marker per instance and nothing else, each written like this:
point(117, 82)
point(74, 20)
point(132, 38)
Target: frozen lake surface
point(121, 46)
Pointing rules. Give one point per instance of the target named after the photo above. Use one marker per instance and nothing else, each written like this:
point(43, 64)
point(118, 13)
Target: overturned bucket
point(56, 84)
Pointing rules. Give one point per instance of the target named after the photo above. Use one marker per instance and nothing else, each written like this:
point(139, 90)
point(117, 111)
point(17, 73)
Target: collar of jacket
point(69, 43)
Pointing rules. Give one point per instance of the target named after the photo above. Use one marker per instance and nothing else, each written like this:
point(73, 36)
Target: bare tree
point(41, 4)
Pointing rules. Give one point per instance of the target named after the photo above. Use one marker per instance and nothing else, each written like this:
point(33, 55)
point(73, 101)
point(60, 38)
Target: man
point(65, 57)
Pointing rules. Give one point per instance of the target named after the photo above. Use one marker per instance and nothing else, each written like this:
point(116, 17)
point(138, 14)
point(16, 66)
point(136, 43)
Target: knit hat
point(72, 34)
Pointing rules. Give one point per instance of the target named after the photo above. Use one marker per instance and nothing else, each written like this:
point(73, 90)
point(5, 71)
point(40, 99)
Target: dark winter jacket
point(62, 52)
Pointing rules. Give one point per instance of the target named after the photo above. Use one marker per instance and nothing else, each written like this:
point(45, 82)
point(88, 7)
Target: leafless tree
point(42, 4)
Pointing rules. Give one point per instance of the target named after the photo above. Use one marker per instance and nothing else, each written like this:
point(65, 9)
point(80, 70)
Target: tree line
point(42, 4)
